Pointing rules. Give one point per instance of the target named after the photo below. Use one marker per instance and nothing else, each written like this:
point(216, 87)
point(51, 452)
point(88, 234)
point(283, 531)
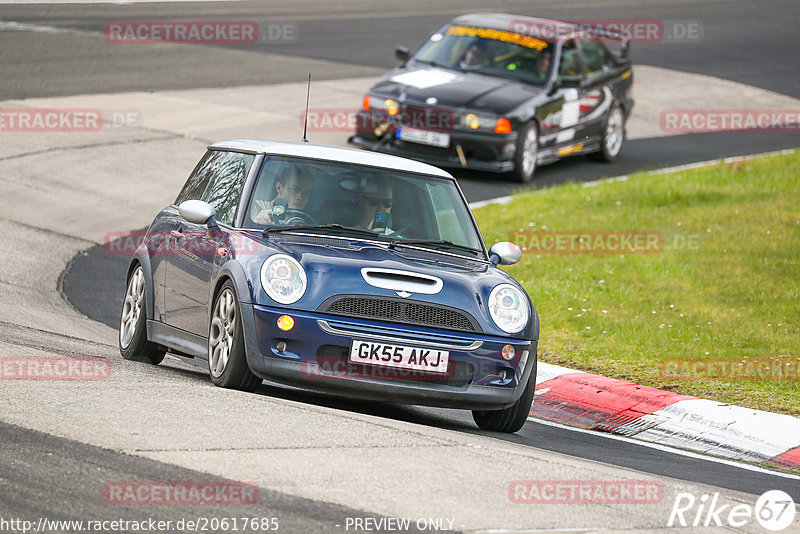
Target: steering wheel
point(295, 217)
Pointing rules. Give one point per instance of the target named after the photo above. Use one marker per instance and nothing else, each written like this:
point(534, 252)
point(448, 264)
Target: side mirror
point(505, 253)
point(402, 53)
point(198, 212)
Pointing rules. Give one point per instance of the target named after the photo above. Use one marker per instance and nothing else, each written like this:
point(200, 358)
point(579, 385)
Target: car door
point(561, 123)
point(601, 72)
point(195, 251)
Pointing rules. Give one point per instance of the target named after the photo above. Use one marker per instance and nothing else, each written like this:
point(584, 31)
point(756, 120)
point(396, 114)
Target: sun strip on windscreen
point(498, 35)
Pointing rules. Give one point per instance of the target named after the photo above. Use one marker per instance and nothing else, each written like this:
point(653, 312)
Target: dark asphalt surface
point(43, 476)
point(748, 42)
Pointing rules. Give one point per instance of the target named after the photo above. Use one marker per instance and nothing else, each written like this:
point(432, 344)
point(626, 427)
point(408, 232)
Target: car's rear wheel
point(526, 153)
point(227, 361)
point(511, 419)
point(133, 342)
point(612, 136)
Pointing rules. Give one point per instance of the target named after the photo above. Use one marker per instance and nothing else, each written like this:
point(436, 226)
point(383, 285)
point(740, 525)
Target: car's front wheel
point(612, 135)
point(227, 361)
point(526, 153)
point(133, 342)
point(511, 419)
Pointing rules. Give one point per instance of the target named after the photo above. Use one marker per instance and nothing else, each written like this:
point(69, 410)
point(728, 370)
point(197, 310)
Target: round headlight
point(508, 308)
point(283, 278)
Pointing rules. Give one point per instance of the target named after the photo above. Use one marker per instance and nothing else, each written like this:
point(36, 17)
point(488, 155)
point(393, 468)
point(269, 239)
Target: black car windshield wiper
point(442, 244)
point(274, 229)
point(434, 63)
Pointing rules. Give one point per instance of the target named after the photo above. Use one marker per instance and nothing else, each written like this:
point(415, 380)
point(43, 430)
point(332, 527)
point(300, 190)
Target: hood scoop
point(395, 280)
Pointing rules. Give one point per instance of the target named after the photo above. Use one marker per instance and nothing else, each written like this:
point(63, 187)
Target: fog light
point(501, 375)
point(508, 352)
point(281, 346)
point(285, 322)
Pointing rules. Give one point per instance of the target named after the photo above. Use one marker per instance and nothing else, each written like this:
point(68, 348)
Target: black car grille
point(400, 311)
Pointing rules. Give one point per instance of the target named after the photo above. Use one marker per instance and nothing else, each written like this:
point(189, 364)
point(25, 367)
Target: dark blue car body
point(185, 265)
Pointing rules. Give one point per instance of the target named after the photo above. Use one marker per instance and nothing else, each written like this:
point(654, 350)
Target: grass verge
point(706, 302)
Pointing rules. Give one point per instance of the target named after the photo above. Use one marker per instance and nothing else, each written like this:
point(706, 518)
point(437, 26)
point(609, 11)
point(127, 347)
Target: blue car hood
point(334, 267)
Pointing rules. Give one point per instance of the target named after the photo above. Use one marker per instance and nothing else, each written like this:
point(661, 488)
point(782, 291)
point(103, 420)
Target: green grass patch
point(714, 312)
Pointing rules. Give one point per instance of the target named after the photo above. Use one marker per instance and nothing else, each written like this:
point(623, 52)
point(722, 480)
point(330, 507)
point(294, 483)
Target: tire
point(227, 361)
point(612, 135)
point(525, 155)
point(510, 419)
point(133, 342)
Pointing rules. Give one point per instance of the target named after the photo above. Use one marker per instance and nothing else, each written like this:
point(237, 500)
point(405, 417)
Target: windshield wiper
point(436, 64)
point(277, 229)
point(443, 243)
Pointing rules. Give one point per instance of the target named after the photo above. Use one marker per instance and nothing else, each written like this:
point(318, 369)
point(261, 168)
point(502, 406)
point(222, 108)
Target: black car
point(490, 92)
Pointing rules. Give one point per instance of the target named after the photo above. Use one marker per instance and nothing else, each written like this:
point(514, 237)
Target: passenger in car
point(376, 208)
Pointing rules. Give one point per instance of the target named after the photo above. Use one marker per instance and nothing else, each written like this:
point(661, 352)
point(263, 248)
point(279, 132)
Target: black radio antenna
point(305, 123)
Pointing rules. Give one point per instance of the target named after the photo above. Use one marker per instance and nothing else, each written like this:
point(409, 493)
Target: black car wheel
point(612, 136)
point(511, 419)
point(133, 342)
point(226, 355)
point(526, 153)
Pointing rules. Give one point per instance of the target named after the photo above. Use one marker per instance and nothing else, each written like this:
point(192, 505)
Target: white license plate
point(399, 356)
point(424, 137)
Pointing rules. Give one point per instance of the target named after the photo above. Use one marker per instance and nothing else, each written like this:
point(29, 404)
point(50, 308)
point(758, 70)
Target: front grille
point(400, 311)
point(333, 360)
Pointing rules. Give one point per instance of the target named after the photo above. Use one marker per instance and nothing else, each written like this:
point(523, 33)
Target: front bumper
point(317, 357)
point(485, 151)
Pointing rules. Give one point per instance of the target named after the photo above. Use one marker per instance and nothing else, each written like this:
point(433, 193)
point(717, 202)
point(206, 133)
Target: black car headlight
point(477, 121)
point(283, 278)
point(508, 308)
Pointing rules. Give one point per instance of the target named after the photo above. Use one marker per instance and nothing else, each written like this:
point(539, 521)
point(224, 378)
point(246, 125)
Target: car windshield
point(363, 202)
point(489, 51)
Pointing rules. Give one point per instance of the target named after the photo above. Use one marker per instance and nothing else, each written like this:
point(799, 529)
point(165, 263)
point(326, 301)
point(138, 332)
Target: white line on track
point(665, 448)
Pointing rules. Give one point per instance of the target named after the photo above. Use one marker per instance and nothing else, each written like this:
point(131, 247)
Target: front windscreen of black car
point(422, 207)
point(501, 53)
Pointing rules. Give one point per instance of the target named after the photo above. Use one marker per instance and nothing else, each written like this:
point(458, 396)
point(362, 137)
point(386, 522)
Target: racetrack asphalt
point(170, 415)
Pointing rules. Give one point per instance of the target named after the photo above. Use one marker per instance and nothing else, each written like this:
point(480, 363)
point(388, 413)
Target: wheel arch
point(140, 257)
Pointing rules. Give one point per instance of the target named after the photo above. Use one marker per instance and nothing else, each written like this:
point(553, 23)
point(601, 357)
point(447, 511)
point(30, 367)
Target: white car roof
point(331, 153)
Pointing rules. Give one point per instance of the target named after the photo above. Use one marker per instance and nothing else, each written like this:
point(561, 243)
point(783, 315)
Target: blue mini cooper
point(334, 269)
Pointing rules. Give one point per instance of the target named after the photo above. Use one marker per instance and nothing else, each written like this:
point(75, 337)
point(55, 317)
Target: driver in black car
point(294, 190)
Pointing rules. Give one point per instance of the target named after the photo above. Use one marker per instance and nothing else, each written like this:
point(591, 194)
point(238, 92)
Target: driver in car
point(293, 191)
point(474, 56)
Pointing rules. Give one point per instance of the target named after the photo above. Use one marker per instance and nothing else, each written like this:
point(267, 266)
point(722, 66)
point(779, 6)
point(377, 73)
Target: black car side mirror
point(402, 53)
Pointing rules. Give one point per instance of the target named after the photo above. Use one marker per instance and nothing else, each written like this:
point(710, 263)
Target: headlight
point(475, 121)
point(508, 308)
point(283, 278)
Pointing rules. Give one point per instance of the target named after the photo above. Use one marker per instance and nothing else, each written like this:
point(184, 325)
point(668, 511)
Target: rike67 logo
point(774, 510)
